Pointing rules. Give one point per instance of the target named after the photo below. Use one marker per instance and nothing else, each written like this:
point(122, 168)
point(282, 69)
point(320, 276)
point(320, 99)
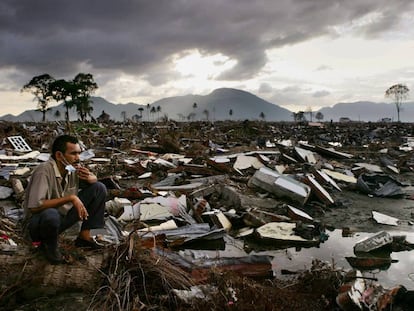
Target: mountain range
point(222, 104)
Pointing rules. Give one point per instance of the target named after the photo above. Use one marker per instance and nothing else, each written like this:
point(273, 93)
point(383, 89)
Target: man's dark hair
point(60, 144)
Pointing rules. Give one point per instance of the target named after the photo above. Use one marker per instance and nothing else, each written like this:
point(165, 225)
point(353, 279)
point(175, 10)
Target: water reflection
point(333, 250)
point(336, 248)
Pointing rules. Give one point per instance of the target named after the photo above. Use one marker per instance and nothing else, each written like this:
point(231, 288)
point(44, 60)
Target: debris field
point(191, 205)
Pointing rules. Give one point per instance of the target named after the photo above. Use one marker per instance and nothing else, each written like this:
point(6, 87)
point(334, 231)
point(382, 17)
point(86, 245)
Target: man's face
point(71, 156)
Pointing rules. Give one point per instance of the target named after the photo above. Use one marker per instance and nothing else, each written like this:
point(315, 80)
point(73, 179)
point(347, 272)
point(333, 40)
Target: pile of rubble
point(184, 192)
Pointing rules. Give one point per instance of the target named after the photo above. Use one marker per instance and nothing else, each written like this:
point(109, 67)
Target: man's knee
point(100, 189)
point(97, 190)
point(94, 197)
point(50, 217)
point(46, 222)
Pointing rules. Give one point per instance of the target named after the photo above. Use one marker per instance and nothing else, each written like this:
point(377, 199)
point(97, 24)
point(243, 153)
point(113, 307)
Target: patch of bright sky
point(198, 66)
point(346, 57)
point(347, 60)
point(199, 71)
point(123, 84)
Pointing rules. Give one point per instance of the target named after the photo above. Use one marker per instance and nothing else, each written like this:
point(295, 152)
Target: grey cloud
point(139, 37)
point(323, 68)
point(292, 89)
point(319, 94)
point(265, 88)
point(388, 18)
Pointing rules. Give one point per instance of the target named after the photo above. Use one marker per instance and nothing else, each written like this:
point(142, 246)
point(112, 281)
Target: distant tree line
point(74, 93)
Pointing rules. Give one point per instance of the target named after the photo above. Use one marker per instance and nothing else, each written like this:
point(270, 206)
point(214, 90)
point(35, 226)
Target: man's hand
point(85, 174)
point(82, 212)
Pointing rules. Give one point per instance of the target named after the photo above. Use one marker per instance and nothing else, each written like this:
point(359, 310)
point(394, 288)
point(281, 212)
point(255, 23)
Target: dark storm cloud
point(139, 37)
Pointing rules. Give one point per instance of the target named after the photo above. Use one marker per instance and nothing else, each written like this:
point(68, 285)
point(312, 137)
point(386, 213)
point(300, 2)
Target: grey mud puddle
point(336, 248)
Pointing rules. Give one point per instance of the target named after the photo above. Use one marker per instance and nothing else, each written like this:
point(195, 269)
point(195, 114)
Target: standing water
point(337, 247)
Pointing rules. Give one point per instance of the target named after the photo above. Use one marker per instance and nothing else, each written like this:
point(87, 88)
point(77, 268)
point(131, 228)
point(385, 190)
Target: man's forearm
point(53, 203)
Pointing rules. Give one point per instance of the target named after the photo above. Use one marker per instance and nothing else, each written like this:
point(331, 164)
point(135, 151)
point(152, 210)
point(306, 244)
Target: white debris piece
point(86, 155)
point(384, 219)
point(27, 156)
point(244, 162)
point(19, 143)
point(5, 192)
point(374, 242)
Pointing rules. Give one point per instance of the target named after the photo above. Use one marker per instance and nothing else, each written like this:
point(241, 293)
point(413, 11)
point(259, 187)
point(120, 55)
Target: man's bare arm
point(55, 203)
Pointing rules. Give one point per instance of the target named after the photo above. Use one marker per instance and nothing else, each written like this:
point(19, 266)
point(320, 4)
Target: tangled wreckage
point(194, 211)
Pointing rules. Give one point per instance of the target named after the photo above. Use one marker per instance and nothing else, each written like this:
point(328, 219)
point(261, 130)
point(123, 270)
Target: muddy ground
point(356, 213)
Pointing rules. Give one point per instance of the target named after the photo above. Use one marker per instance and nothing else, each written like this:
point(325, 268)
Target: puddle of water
point(336, 248)
point(333, 250)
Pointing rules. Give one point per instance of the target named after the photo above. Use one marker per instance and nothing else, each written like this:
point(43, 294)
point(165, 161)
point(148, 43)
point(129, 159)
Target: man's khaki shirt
point(46, 183)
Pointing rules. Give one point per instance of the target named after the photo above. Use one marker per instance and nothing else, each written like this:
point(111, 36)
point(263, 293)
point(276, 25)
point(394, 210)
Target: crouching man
point(60, 193)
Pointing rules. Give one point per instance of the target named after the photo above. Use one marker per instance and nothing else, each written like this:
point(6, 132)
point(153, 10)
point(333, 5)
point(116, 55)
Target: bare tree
point(398, 93)
point(85, 86)
point(39, 86)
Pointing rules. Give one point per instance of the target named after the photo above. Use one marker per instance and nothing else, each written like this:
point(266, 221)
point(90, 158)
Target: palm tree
point(194, 108)
point(153, 110)
point(206, 113)
point(262, 115)
point(158, 112)
point(57, 114)
point(181, 117)
point(310, 113)
point(62, 90)
point(148, 111)
point(191, 116)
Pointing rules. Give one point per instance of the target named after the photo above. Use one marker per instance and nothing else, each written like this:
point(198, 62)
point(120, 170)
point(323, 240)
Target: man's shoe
point(88, 244)
point(52, 254)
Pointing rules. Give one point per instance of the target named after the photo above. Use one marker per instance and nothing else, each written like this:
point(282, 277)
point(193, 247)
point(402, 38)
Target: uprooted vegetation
point(138, 278)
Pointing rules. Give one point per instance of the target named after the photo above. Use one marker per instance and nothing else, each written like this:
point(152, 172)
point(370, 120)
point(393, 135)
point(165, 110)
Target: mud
point(356, 212)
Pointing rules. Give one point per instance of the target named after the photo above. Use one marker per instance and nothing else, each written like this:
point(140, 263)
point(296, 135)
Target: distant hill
point(368, 111)
point(218, 105)
point(222, 104)
point(214, 106)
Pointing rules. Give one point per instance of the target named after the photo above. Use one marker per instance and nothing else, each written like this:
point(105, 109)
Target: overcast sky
point(298, 54)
